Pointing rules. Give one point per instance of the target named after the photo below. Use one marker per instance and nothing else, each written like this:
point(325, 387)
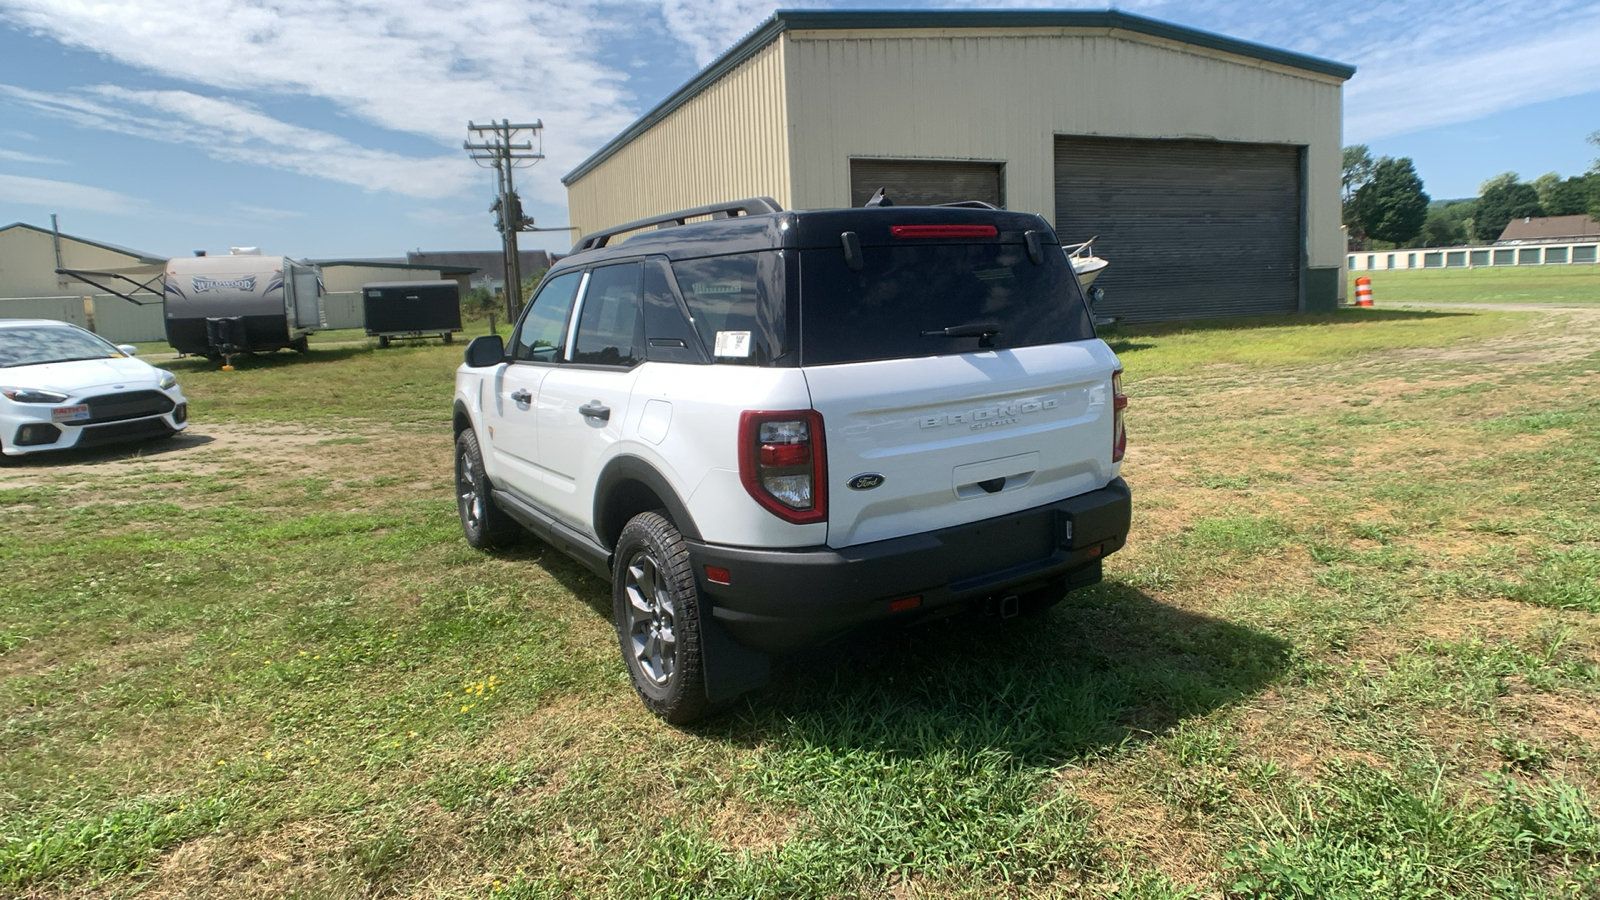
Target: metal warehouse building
point(1207, 167)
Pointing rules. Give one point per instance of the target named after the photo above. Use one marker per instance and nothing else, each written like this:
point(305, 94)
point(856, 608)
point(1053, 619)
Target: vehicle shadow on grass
point(1107, 667)
point(183, 440)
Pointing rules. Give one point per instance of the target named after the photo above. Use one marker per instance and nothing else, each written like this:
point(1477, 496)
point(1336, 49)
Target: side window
point(610, 326)
point(543, 332)
point(669, 332)
point(737, 305)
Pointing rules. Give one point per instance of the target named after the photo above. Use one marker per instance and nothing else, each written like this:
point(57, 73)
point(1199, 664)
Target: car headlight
point(31, 395)
point(168, 380)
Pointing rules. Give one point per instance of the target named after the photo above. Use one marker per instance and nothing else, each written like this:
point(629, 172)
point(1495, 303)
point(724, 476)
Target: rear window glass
point(737, 305)
point(886, 310)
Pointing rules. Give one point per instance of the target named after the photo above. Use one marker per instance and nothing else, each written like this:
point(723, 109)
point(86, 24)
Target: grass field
point(1559, 285)
point(1352, 649)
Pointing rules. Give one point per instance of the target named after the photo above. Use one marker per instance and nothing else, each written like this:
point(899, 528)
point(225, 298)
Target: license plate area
point(70, 413)
point(993, 546)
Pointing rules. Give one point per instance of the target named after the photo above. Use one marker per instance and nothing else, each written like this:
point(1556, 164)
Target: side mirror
point(128, 349)
point(486, 350)
point(1096, 294)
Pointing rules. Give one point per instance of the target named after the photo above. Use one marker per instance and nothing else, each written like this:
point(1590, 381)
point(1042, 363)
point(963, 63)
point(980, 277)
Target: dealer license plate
point(70, 413)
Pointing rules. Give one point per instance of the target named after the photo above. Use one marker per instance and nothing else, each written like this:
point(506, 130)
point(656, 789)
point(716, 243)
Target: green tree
point(1358, 165)
point(1392, 206)
point(1449, 224)
point(1569, 197)
point(1502, 201)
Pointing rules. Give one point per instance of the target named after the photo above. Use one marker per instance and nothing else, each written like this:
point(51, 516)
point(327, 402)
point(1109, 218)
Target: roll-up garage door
point(1191, 229)
point(920, 182)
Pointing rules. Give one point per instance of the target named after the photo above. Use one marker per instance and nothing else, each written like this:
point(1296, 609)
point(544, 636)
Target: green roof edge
point(840, 20)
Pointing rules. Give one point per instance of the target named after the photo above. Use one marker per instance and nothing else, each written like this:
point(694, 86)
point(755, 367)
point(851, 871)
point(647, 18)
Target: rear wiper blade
point(971, 329)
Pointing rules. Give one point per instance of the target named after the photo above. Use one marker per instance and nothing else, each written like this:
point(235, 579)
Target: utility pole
point(505, 147)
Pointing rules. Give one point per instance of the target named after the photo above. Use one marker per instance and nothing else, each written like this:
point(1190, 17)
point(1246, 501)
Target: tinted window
point(543, 333)
point(737, 305)
point(609, 327)
point(669, 334)
point(30, 345)
point(884, 310)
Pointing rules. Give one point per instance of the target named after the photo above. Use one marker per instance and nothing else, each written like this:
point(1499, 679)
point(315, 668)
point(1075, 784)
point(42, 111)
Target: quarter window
point(543, 332)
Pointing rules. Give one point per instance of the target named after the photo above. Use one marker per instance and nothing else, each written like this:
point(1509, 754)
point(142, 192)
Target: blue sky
point(333, 128)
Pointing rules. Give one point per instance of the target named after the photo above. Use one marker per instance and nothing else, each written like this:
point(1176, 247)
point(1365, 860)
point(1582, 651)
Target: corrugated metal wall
point(1192, 228)
point(925, 183)
point(993, 94)
point(727, 143)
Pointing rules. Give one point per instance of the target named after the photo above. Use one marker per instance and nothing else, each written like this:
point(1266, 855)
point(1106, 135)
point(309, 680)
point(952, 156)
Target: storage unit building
point(1208, 167)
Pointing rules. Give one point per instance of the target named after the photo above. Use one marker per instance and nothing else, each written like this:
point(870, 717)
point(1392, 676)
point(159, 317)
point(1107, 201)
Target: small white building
point(1208, 167)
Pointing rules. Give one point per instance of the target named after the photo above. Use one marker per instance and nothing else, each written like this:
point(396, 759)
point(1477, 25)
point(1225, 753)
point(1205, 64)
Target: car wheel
point(301, 344)
point(657, 614)
point(449, 338)
point(383, 341)
point(484, 525)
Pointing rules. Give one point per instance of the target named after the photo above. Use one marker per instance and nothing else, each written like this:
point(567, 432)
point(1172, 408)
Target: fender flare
point(635, 468)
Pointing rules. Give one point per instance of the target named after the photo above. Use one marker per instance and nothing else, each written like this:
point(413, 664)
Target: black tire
point(383, 341)
point(483, 524)
point(301, 344)
point(656, 610)
point(449, 338)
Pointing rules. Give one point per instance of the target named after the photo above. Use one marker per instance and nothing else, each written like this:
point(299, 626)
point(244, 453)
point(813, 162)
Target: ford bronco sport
point(768, 428)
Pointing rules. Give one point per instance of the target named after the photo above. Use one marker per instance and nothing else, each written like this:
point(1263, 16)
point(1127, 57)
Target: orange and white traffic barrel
point(1363, 291)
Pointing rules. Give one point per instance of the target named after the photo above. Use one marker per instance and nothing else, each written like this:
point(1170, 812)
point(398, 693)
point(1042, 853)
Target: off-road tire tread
point(684, 700)
point(496, 529)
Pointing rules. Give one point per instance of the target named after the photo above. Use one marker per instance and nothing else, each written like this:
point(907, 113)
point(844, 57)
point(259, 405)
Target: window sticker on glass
point(706, 288)
point(733, 343)
point(1001, 274)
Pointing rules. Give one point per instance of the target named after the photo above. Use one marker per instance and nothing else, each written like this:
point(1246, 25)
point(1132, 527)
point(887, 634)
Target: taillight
point(912, 232)
point(1119, 430)
point(783, 465)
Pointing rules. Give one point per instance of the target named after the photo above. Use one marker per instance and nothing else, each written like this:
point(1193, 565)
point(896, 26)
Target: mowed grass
point(1557, 285)
point(1351, 650)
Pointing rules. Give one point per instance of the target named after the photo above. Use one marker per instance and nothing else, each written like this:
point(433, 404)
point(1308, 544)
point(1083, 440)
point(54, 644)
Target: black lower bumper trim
point(781, 600)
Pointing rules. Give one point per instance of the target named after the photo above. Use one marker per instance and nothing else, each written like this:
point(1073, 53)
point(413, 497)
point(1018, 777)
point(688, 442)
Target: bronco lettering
point(990, 416)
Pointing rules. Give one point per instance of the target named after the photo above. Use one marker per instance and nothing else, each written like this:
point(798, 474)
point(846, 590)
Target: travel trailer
point(217, 306)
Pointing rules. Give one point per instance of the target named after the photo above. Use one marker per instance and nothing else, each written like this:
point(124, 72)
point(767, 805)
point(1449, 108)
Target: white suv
point(769, 428)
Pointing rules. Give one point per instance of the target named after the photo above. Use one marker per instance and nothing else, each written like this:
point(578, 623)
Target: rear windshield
point(886, 310)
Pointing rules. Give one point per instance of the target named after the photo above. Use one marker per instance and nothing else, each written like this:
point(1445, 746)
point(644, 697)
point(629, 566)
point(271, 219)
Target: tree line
point(1385, 205)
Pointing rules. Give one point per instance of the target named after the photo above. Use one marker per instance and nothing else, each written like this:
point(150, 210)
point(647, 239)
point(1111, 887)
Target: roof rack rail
point(970, 204)
point(752, 206)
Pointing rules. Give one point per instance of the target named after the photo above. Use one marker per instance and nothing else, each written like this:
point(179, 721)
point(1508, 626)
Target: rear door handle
point(521, 397)
point(593, 410)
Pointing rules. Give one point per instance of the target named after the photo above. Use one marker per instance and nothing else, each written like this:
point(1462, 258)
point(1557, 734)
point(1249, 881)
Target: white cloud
point(267, 213)
point(19, 157)
point(422, 68)
point(425, 67)
point(66, 195)
point(237, 132)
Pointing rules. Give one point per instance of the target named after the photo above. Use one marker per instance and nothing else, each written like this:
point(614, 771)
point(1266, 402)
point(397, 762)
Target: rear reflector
point(912, 232)
point(904, 604)
point(718, 575)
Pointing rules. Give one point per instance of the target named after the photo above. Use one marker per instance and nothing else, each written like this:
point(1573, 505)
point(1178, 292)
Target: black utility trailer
point(411, 309)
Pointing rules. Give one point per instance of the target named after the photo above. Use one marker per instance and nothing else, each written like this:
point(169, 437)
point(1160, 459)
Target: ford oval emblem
point(865, 482)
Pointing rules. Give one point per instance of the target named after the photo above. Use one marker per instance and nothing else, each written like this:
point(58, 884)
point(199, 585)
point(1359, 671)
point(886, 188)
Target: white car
point(770, 428)
point(63, 387)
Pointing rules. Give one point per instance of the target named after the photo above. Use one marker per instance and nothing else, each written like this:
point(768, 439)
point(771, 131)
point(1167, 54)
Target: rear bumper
point(781, 600)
